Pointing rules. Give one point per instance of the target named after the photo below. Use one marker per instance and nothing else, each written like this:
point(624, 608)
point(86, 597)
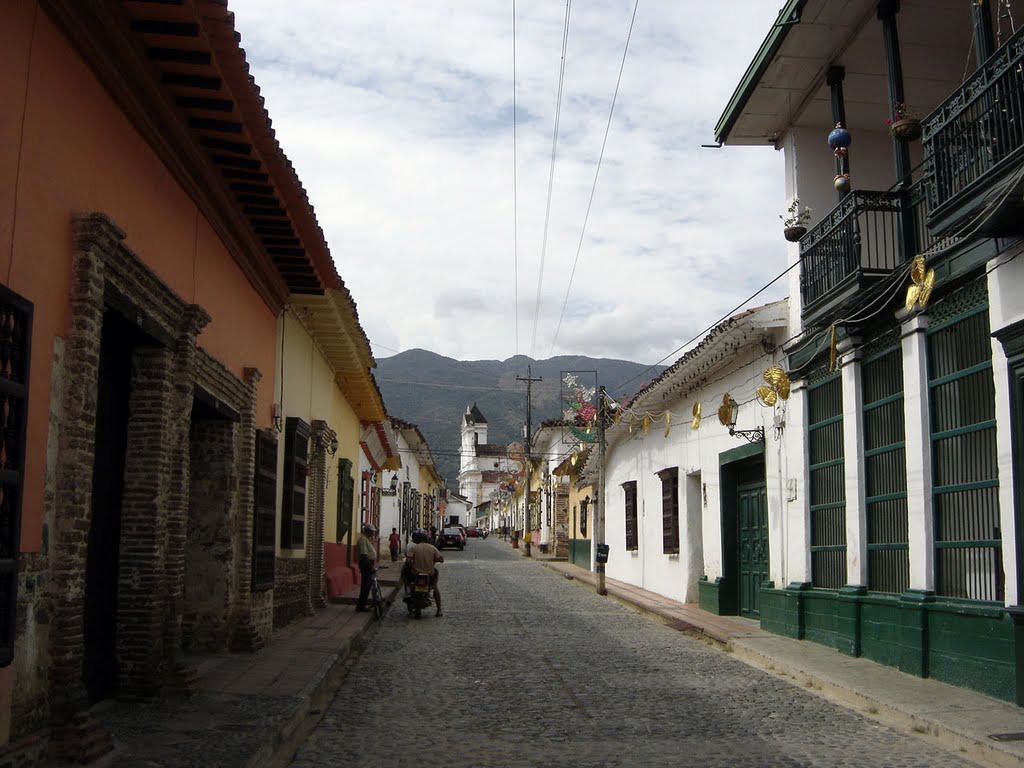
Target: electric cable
point(551, 177)
point(597, 172)
point(515, 185)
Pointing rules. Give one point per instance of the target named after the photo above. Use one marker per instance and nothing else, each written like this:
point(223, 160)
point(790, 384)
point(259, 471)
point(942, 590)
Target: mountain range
point(433, 392)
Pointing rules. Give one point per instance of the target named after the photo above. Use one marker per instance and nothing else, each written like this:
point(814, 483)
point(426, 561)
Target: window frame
point(293, 496)
point(632, 534)
point(669, 510)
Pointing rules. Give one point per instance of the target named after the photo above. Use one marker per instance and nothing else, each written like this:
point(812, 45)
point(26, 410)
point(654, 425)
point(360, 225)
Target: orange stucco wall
point(65, 149)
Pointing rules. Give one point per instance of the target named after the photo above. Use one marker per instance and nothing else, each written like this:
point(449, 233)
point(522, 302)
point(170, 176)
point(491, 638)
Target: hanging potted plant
point(795, 221)
point(905, 125)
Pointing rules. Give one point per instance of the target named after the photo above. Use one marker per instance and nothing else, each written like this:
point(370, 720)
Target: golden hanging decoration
point(695, 424)
point(776, 389)
point(668, 423)
point(632, 421)
point(647, 423)
point(922, 283)
point(616, 415)
point(766, 396)
point(724, 410)
point(832, 351)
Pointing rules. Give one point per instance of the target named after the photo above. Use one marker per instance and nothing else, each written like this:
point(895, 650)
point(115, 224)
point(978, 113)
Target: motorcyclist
point(421, 558)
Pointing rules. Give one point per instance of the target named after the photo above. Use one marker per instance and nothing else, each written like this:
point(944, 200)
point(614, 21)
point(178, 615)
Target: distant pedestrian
point(395, 544)
point(367, 556)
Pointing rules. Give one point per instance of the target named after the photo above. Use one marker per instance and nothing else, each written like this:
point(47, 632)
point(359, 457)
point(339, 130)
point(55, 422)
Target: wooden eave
point(334, 323)
point(177, 71)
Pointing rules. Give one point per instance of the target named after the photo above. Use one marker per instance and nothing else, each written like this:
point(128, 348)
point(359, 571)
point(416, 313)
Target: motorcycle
point(418, 597)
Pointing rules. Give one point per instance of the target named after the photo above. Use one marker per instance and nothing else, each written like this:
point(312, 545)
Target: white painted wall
point(638, 457)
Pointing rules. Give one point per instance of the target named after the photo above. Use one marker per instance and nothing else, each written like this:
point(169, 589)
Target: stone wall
point(291, 596)
point(212, 523)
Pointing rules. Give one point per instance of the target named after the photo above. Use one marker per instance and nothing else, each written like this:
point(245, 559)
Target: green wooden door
point(752, 506)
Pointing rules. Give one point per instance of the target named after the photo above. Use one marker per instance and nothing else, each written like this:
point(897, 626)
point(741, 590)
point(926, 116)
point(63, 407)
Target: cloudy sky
point(398, 115)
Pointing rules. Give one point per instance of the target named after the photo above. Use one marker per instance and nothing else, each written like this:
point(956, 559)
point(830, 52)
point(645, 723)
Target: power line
point(597, 173)
point(551, 176)
point(515, 184)
point(714, 325)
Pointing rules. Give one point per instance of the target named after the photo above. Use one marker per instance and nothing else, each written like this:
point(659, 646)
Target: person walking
point(367, 554)
point(394, 544)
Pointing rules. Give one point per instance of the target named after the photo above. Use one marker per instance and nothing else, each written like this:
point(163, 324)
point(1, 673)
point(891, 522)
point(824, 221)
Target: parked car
point(472, 533)
point(450, 537)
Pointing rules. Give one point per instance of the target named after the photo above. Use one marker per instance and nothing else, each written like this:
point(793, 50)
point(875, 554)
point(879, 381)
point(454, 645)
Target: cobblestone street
point(527, 668)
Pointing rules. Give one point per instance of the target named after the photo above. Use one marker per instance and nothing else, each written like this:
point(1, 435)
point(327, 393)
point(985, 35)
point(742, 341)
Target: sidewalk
point(956, 718)
point(250, 710)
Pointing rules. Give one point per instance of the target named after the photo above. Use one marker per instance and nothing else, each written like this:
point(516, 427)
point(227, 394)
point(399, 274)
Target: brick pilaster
point(315, 574)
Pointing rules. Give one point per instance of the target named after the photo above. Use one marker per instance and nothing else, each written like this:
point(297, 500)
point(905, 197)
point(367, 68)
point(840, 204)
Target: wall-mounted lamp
point(751, 435)
point(333, 445)
point(394, 483)
point(277, 420)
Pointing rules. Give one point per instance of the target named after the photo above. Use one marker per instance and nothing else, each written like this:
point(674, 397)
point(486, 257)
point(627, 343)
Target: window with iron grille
point(346, 498)
point(827, 480)
point(965, 479)
point(293, 500)
point(670, 510)
point(264, 497)
point(885, 465)
point(632, 539)
point(15, 348)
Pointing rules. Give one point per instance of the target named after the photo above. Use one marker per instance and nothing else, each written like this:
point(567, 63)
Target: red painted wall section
point(341, 578)
point(66, 149)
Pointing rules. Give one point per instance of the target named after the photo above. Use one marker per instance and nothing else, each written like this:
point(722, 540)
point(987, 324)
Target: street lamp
point(750, 435)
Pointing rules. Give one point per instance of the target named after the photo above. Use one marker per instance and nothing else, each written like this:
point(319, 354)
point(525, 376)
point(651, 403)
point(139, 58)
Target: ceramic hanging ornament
point(841, 182)
point(839, 137)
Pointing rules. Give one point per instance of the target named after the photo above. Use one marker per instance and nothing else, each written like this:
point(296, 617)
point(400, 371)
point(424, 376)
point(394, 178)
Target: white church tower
point(474, 433)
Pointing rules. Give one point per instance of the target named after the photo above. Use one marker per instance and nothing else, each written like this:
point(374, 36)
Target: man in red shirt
point(395, 544)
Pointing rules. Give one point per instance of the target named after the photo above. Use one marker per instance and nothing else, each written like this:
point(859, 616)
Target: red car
point(472, 532)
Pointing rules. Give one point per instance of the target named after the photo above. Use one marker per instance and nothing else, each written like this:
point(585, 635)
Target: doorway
point(752, 536)
point(118, 340)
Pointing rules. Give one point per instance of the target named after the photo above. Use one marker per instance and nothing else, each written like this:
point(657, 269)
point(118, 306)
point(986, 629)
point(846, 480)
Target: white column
point(920, 518)
point(853, 452)
point(796, 530)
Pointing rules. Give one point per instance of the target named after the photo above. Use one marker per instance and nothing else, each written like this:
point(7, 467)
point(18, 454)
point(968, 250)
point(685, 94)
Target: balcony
point(974, 142)
point(862, 240)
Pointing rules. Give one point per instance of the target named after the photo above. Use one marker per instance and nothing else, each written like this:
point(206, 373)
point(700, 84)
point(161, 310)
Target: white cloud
point(397, 117)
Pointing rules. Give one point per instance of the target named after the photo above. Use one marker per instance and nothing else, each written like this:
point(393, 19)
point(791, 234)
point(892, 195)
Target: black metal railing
point(860, 236)
point(980, 127)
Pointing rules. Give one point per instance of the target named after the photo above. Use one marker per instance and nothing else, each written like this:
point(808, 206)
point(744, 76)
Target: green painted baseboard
point(971, 645)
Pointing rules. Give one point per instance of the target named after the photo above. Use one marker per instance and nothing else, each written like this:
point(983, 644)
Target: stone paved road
point(527, 668)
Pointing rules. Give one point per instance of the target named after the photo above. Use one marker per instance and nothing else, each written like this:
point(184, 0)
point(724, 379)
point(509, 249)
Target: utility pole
point(600, 553)
point(529, 453)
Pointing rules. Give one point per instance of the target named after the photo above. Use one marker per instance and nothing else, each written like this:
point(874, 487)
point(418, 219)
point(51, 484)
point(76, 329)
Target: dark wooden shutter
point(364, 499)
point(632, 540)
point(293, 500)
point(670, 510)
point(346, 486)
point(15, 339)
point(264, 496)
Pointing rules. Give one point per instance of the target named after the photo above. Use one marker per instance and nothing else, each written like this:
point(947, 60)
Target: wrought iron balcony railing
point(861, 239)
point(974, 142)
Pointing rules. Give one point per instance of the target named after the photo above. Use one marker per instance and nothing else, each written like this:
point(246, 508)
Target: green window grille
point(346, 495)
point(264, 512)
point(293, 500)
point(632, 537)
point(965, 478)
point(827, 481)
point(885, 465)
